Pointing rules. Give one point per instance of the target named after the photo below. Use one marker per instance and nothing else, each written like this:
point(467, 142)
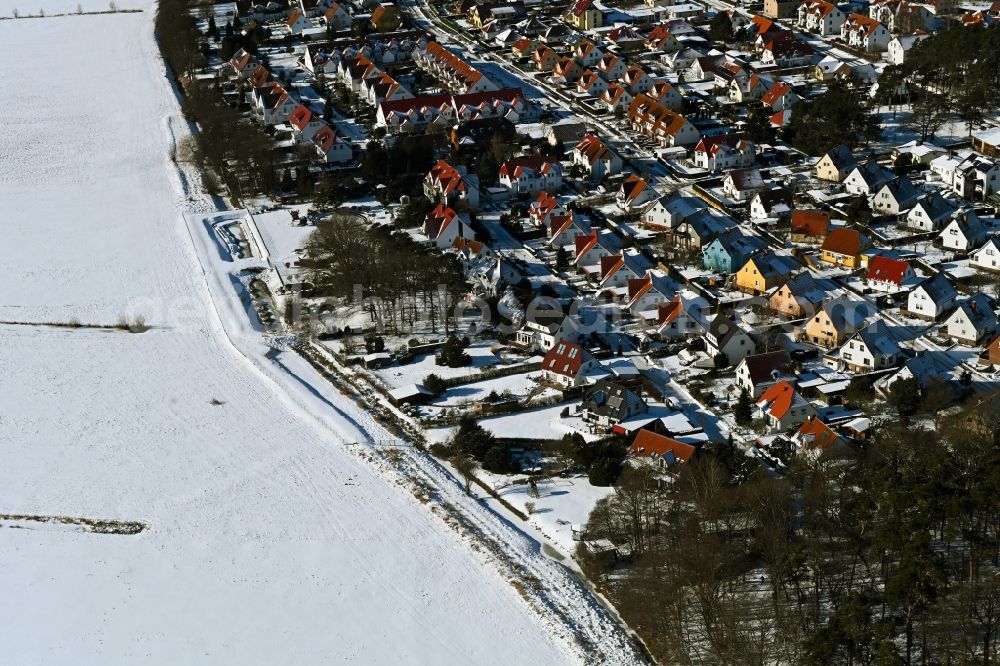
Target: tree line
point(886, 555)
point(399, 281)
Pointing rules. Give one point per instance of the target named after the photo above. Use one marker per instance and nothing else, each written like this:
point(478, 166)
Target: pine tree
point(744, 409)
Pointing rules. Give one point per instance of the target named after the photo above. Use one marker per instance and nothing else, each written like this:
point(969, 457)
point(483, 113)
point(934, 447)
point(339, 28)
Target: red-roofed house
point(820, 16)
point(452, 185)
point(674, 320)
point(305, 124)
point(722, 152)
point(564, 228)
point(543, 207)
point(243, 64)
point(660, 450)
point(297, 22)
point(567, 364)
point(885, 274)
point(616, 98)
point(634, 193)
point(783, 407)
point(814, 437)
point(330, 147)
point(647, 292)
point(843, 247)
point(779, 96)
point(661, 39)
point(583, 15)
point(531, 175)
point(864, 32)
point(656, 121)
point(596, 157)
point(443, 225)
point(810, 226)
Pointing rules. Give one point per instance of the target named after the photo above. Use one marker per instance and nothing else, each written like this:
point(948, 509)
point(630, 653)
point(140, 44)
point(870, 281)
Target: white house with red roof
point(820, 16)
point(451, 184)
point(596, 158)
point(458, 75)
point(646, 292)
point(723, 151)
point(676, 320)
point(586, 53)
point(635, 193)
point(616, 98)
point(566, 364)
point(337, 17)
point(889, 275)
point(865, 33)
point(297, 23)
point(746, 88)
point(666, 94)
point(662, 39)
point(618, 269)
point(564, 228)
point(780, 96)
point(782, 407)
point(443, 226)
point(540, 210)
point(305, 124)
point(592, 247)
point(637, 80)
point(814, 437)
point(243, 64)
point(661, 451)
point(591, 83)
point(331, 148)
point(531, 175)
point(611, 67)
point(272, 104)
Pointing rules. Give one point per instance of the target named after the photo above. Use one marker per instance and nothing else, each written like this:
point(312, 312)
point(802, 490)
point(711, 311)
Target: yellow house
point(836, 321)
point(800, 296)
point(835, 165)
point(582, 15)
point(843, 247)
point(764, 271)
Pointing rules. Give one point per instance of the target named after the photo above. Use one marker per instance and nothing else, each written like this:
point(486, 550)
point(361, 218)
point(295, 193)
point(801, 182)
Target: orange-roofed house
point(661, 39)
point(865, 33)
point(675, 320)
point(634, 193)
point(815, 437)
point(544, 58)
point(330, 147)
point(297, 22)
point(338, 17)
point(305, 124)
point(779, 96)
point(810, 226)
point(564, 228)
point(243, 64)
point(443, 225)
point(524, 47)
point(662, 451)
point(596, 158)
point(665, 127)
point(820, 16)
point(782, 407)
point(453, 185)
point(616, 98)
point(843, 247)
point(542, 208)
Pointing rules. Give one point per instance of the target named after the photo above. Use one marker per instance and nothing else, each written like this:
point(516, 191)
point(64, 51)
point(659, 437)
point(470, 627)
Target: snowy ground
point(268, 540)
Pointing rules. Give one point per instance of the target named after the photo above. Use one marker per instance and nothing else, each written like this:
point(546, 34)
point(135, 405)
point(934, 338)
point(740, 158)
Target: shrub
point(434, 384)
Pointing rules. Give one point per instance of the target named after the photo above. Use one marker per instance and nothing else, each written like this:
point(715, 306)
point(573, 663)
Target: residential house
point(764, 271)
point(616, 98)
point(531, 175)
point(634, 193)
point(889, 275)
point(782, 407)
point(742, 184)
point(964, 232)
point(666, 94)
point(524, 47)
point(700, 228)
point(835, 321)
point(780, 96)
point(330, 148)
point(618, 269)
point(987, 142)
point(771, 204)
point(386, 17)
point(731, 250)
point(899, 46)
point(587, 53)
point(756, 373)
point(665, 127)
point(243, 64)
point(543, 207)
point(443, 225)
point(592, 247)
point(611, 67)
point(843, 247)
point(660, 451)
point(726, 339)
point(968, 174)
point(544, 58)
point(566, 364)
point(801, 296)
point(566, 70)
point(608, 403)
point(648, 292)
point(830, 68)
point(583, 15)
point(894, 197)
point(780, 9)
point(866, 179)
point(565, 227)
point(305, 124)
point(987, 257)
point(929, 212)
point(723, 152)
point(898, 15)
point(836, 164)
point(591, 83)
point(747, 88)
point(810, 226)
point(991, 352)
point(595, 157)
point(783, 50)
point(871, 348)
point(452, 184)
point(865, 33)
point(972, 320)
point(670, 210)
point(338, 17)
point(297, 22)
point(821, 17)
point(932, 298)
point(919, 152)
point(815, 437)
point(662, 39)
point(675, 320)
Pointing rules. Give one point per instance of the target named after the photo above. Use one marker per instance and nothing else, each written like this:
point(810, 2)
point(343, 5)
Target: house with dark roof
point(764, 271)
point(731, 250)
point(676, 320)
point(932, 298)
point(870, 348)
point(772, 204)
point(755, 373)
point(742, 184)
point(867, 178)
point(987, 257)
point(929, 212)
point(607, 403)
point(894, 197)
point(725, 337)
point(972, 320)
point(964, 232)
point(835, 321)
point(801, 295)
point(531, 175)
point(836, 164)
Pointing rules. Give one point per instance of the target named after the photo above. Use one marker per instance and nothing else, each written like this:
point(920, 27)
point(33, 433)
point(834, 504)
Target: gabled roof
point(812, 223)
point(878, 339)
point(776, 92)
point(668, 312)
point(806, 288)
point(528, 166)
point(845, 241)
point(884, 269)
point(723, 329)
point(768, 367)
point(979, 311)
point(648, 444)
point(608, 398)
point(847, 314)
point(593, 148)
point(632, 187)
point(770, 264)
point(745, 179)
point(813, 433)
point(938, 288)
point(566, 358)
point(779, 398)
point(841, 156)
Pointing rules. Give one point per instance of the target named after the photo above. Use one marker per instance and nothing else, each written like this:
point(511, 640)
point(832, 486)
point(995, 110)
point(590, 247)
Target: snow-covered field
point(268, 539)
